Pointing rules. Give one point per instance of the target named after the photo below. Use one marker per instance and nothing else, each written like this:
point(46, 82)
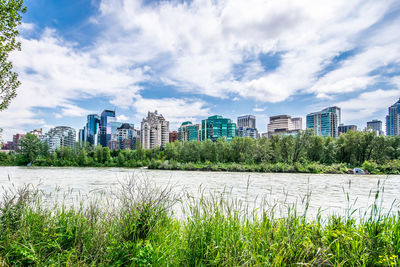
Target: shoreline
point(222, 170)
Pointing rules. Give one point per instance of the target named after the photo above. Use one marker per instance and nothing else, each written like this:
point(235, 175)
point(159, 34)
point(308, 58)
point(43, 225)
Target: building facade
point(247, 132)
point(154, 131)
point(376, 126)
point(216, 127)
point(393, 120)
point(107, 116)
point(173, 136)
point(92, 129)
point(246, 126)
point(246, 121)
point(124, 137)
point(189, 132)
point(284, 125)
point(325, 122)
point(345, 128)
point(16, 138)
point(60, 136)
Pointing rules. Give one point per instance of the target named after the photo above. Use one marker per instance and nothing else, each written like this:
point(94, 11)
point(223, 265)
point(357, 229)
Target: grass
point(137, 227)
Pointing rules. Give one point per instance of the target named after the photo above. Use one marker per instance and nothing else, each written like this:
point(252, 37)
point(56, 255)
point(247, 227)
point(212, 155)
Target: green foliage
point(10, 18)
point(302, 153)
point(139, 230)
point(31, 148)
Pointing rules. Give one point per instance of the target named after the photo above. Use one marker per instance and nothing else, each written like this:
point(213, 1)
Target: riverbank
point(139, 230)
point(392, 168)
point(388, 168)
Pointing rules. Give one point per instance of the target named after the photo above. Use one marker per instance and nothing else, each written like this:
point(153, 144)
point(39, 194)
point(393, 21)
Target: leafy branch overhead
point(10, 18)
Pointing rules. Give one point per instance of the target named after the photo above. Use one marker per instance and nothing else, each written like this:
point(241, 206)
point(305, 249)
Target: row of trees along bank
point(351, 149)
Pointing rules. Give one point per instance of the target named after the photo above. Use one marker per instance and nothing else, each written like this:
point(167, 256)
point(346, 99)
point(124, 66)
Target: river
point(329, 193)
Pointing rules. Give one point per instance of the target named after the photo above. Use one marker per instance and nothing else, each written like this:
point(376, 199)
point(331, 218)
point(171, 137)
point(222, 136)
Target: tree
point(10, 18)
point(30, 147)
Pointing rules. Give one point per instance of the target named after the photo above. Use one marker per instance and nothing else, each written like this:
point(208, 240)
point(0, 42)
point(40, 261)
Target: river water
point(327, 193)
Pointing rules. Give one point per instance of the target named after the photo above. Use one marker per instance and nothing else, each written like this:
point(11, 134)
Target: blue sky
point(192, 59)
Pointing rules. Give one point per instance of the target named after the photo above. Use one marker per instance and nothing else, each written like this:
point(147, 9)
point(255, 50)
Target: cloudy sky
point(192, 59)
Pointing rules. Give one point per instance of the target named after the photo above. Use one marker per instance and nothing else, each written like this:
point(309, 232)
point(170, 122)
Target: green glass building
point(215, 127)
point(188, 132)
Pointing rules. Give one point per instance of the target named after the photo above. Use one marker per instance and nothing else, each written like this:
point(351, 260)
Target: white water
point(327, 191)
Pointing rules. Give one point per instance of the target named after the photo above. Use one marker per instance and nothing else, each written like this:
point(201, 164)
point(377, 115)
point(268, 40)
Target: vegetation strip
point(305, 153)
point(141, 231)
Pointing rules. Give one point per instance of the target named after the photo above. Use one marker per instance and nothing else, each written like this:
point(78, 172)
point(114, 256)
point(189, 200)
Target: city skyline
point(229, 58)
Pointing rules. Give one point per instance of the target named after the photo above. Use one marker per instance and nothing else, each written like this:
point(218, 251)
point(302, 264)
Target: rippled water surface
point(327, 192)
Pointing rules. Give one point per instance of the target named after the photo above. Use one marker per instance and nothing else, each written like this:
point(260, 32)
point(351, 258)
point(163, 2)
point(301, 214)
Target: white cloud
point(122, 118)
point(201, 41)
point(257, 109)
point(367, 103)
point(175, 110)
point(196, 46)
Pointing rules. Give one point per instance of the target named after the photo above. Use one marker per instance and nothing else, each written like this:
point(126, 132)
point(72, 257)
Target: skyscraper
point(154, 131)
point(393, 120)
point(246, 121)
point(188, 132)
point(325, 122)
point(216, 127)
point(284, 125)
point(246, 126)
point(375, 125)
point(107, 116)
point(91, 131)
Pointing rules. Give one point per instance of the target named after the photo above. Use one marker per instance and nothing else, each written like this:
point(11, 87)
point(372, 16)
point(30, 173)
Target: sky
point(193, 59)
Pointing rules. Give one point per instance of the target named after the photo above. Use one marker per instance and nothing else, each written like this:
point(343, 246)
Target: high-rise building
point(216, 127)
point(325, 122)
point(246, 121)
point(92, 129)
point(154, 131)
point(60, 136)
point(284, 125)
point(173, 136)
point(189, 132)
point(247, 132)
point(393, 120)
point(297, 123)
point(344, 128)
point(16, 138)
point(125, 137)
point(246, 126)
point(107, 116)
point(375, 125)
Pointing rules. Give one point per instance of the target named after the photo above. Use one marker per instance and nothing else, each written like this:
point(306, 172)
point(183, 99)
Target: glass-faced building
point(376, 126)
point(107, 116)
point(188, 132)
point(216, 127)
point(92, 129)
point(325, 122)
point(246, 126)
point(393, 120)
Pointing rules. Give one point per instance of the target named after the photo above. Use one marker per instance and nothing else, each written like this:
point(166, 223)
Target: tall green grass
point(137, 227)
